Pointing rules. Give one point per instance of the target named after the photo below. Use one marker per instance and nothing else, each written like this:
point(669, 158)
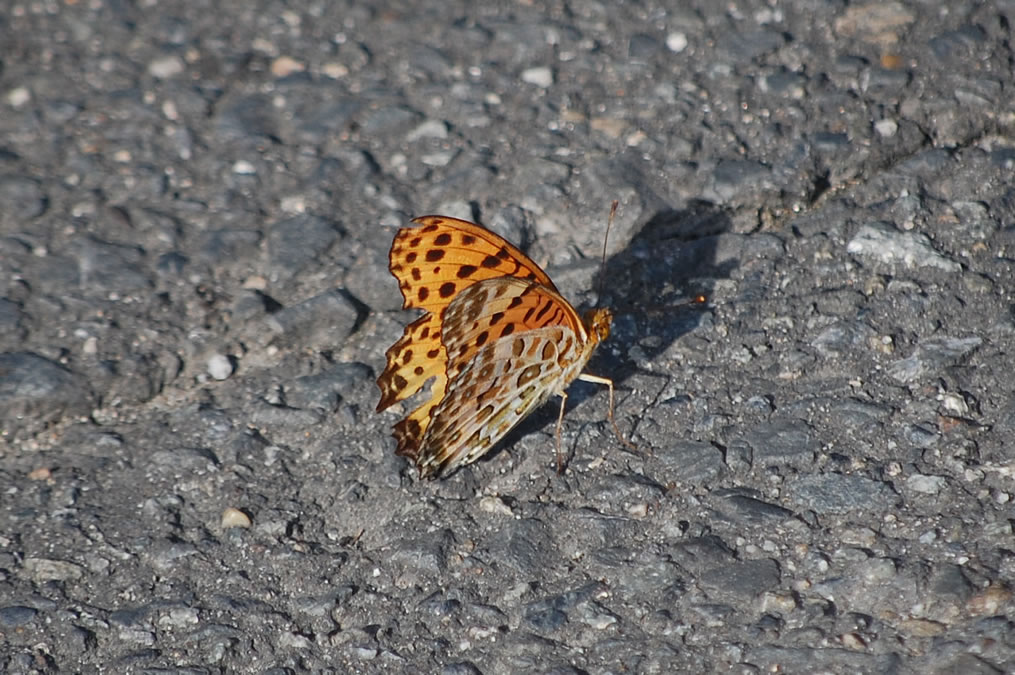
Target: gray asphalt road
point(196, 203)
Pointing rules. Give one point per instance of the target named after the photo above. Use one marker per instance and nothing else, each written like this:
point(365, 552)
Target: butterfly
point(497, 340)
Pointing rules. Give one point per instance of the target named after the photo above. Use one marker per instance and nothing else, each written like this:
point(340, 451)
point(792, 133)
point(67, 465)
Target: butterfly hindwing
point(491, 394)
point(496, 309)
point(510, 344)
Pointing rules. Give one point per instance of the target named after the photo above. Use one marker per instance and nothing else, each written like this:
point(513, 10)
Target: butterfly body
point(497, 341)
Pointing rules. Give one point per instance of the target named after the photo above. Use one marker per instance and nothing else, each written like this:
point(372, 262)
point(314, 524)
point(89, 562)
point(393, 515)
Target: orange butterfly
point(497, 340)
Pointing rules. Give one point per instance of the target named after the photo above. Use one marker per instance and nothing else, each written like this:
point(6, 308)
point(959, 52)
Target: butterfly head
point(597, 322)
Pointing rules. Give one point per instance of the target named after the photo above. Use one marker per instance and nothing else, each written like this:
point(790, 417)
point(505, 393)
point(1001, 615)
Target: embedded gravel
point(196, 202)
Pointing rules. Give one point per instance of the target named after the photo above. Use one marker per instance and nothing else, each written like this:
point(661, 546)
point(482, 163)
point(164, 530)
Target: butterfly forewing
point(416, 357)
point(443, 256)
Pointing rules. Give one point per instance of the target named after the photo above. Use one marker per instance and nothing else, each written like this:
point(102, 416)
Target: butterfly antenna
point(606, 239)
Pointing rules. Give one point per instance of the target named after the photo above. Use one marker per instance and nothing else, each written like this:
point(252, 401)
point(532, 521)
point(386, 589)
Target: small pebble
point(676, 42)
point(334, 70)
point(284, 66)
point(496, 505)
point(928, 485)
point(540, 76)
point(42, 473)
point(886, 128)
point(234, 518)
point(220, 367)
point(244, 168)
point(165, 67)
point(18, 97)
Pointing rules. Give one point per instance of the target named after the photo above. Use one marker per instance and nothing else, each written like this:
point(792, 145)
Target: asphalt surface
point(196, 202)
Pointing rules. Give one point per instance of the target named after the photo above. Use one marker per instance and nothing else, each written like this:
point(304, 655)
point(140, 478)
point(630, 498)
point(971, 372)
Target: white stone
point(244, 168)
point(220, 367)
point(541, 76)
point(886, 128)
point(924, 484)
point(165, 67)
point(18, 97)
point(676, 42)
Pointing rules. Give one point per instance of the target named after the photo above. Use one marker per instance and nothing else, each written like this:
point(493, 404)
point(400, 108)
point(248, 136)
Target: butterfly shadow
point(653, 284)
point(650, 285)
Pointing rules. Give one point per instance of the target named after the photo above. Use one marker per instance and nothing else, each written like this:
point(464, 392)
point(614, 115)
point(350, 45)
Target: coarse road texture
point(196, 203)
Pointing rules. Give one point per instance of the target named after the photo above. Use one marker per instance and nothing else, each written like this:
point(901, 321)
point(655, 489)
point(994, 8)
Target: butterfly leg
point(560, 423)
point(595, 379)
